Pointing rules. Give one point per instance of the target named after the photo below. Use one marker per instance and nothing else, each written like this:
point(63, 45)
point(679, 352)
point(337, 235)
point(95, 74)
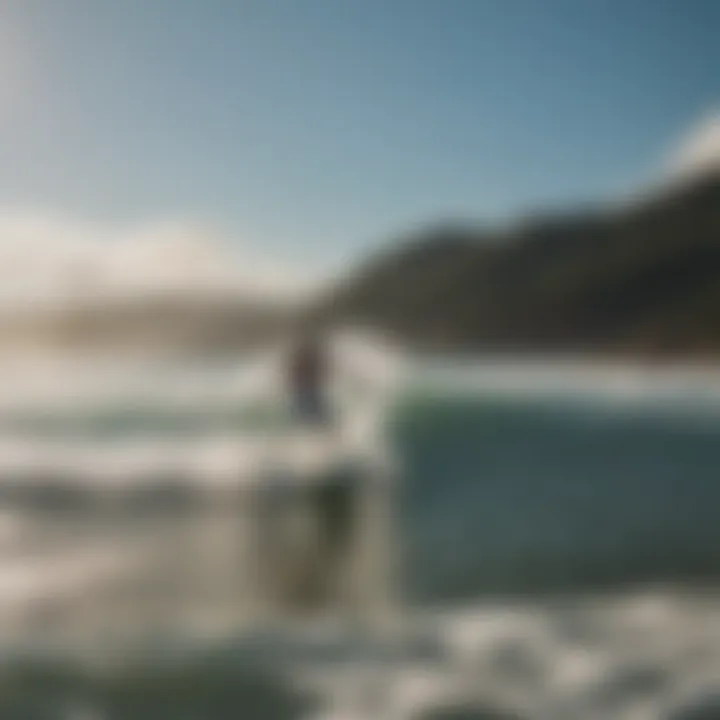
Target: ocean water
point(534, 495)
point(556, 538)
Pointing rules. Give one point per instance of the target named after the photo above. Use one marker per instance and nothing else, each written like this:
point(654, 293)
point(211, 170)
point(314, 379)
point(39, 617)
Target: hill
point(643, 278)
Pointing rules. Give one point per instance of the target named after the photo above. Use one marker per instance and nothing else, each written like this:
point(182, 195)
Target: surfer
point(307, 376)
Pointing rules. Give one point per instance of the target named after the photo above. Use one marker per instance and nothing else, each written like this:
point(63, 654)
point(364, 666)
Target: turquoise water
point(506, 493)
point(518, 495)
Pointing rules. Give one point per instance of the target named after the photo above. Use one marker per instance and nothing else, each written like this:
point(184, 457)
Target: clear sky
point(314, 129)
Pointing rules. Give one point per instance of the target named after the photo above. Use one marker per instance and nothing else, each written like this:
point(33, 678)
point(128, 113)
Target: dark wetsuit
point(307, 384)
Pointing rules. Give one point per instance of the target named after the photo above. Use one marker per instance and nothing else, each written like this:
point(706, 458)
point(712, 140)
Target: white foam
point(579, 680)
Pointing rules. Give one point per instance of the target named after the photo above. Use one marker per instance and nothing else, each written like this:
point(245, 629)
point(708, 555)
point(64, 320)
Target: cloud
point(699, 151)
point(47, 258)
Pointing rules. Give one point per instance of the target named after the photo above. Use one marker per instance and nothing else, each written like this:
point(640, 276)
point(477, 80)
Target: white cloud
point(49, 258)
point(699, 151)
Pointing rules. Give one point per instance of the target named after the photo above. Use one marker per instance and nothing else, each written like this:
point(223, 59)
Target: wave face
point(529, 495)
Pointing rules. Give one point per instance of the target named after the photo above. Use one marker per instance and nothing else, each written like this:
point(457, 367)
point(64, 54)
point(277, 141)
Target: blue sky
point(316, 129)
